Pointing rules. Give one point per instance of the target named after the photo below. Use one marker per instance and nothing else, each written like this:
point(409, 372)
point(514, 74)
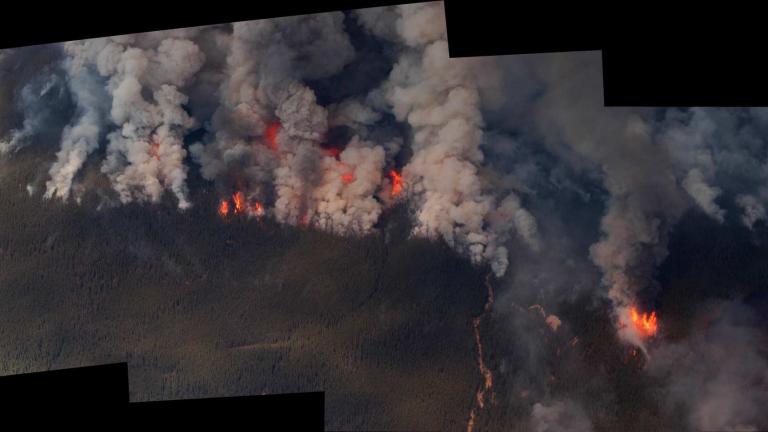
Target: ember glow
point(223, 208)
point(397, 182)
point(644, 323)
point(270, 135)
point(487, 385)
point(239, 205)
point(347, 178)
point(258, 209)
point(239, 200)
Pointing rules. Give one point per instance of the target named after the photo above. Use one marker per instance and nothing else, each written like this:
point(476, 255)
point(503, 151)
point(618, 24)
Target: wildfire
point(644, 323)
point(270, 135)
point(347, 178)
point(240, 205)
point(258, 209)
point(397, 182)
point(239, 199)
point(487, 386)
point(224, 208)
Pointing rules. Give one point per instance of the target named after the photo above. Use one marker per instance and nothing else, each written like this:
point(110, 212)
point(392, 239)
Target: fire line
point(487, 384)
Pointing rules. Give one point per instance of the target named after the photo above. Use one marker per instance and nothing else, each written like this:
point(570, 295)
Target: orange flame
point(645, 323)
point(239, 199)
point(270, 135)
point(240, 205)
point(224, 208)
point(258, 209)
point(347, 178)
point(485, 371)
point(397, 183)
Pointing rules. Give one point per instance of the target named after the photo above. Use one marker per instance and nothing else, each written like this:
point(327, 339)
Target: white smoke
point(80, 138)
point(267, 132)
point(145, 155)
point(559, 416)
point(440, 98)
point(346, 197)
point(266, 64)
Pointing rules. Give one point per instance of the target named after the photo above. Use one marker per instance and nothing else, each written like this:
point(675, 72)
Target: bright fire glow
point(258, 209)
point(239, 204)
point(223, 208)
point(485, 371)
point(644, 323)
point(348, 178)
point(397, 183)
point(239, 200)
point(270, 135)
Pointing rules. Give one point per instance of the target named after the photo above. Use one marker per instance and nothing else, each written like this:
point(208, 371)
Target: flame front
point(644, 323)
point(397, 182)
point(485, 371)
point(239, 205)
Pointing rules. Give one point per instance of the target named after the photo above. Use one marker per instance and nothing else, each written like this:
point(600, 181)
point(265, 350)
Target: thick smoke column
point(269, 127)
point(80, 138)
point(280, 128)
point(345, 198)
point(645, 197)
point(440, 98)
point(145, 154)
point(249, 87)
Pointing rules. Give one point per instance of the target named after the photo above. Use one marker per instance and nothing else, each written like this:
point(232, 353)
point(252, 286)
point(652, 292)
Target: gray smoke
point(249, 85)
point(619, 146)
point(144, 154)
point(40, 102)
point(439, 98)
point(559, 416)
point(82, 136)
point(719, 374)
point(514, 162)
